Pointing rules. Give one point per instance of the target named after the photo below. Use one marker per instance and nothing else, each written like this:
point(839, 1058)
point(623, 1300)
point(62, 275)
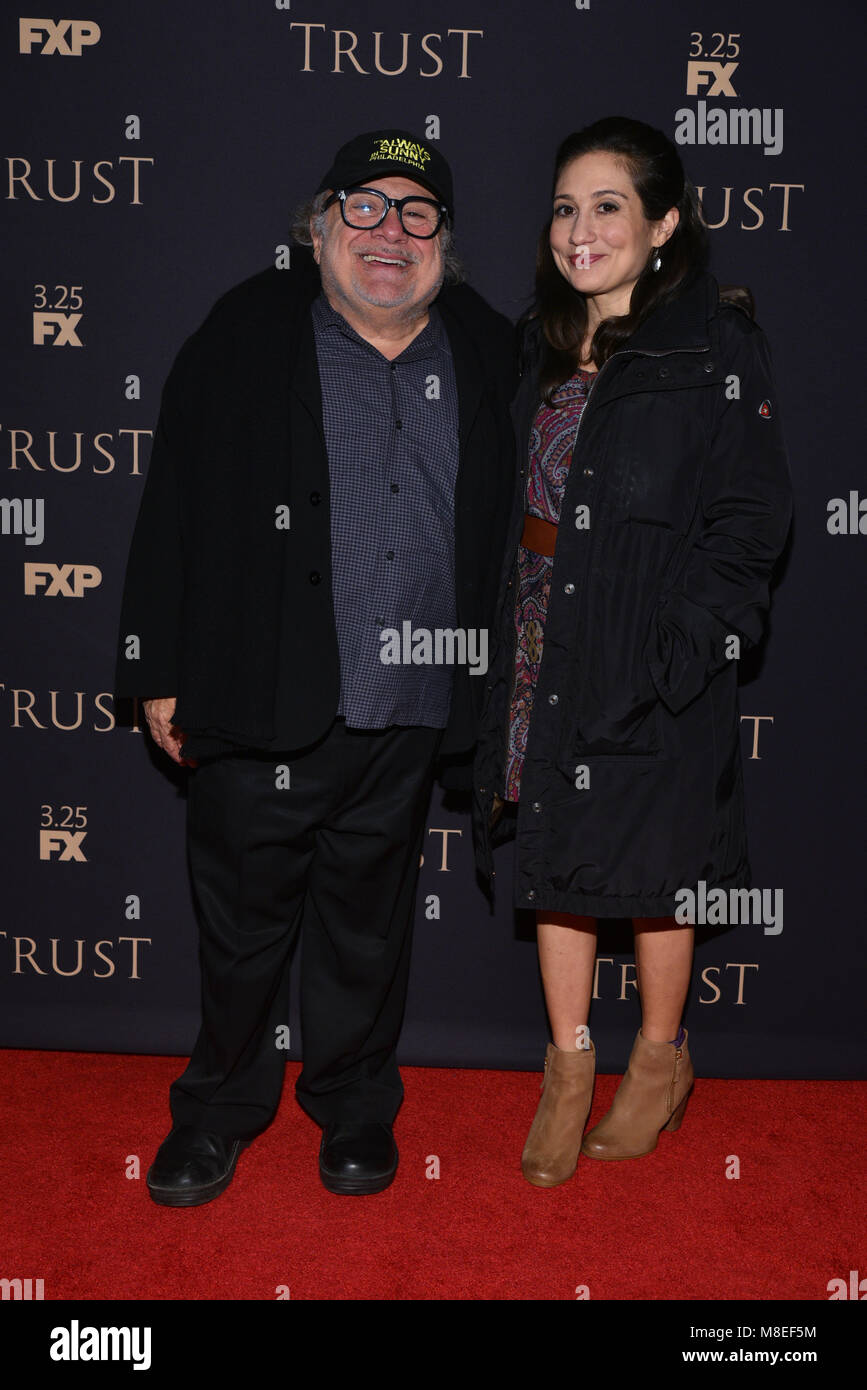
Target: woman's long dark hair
point(657, 174)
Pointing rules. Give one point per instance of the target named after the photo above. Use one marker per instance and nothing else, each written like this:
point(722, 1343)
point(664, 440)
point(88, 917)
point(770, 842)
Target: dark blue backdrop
point(152, 155)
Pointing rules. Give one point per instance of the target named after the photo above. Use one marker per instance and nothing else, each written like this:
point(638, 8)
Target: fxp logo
point(60, 581)
point(68, 37)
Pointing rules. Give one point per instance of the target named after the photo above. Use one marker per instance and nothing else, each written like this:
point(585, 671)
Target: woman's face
point(600, 238)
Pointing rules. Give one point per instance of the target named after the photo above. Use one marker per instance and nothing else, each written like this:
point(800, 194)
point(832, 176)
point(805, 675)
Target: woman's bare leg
point(567, 959)
point(663, 964)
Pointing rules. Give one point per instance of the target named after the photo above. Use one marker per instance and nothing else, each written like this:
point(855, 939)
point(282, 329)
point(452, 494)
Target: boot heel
point(677, 1115)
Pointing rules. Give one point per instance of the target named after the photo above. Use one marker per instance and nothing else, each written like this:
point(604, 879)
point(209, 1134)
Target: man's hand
point(164, 732)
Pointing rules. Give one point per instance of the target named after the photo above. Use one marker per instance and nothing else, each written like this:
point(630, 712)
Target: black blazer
point(211, 579)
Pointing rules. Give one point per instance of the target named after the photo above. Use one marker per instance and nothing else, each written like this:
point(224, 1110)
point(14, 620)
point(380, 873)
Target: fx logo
point(83, 33)
point(699, 74)
point(56, 579)
point(65, 844)
point(45, 326)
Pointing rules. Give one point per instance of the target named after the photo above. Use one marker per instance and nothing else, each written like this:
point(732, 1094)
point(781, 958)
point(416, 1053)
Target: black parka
point(632, 783)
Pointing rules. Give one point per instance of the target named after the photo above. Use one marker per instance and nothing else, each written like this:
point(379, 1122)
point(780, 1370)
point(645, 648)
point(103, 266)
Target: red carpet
point(669, 1225)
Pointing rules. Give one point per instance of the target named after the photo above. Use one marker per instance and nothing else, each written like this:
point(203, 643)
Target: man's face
point(381, 267)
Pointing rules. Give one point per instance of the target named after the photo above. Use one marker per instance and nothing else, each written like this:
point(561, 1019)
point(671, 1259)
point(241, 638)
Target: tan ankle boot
point(551, 1152)
point(652, 1096)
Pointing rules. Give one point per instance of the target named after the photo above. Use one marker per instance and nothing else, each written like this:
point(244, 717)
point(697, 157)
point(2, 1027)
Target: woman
point(652, 505)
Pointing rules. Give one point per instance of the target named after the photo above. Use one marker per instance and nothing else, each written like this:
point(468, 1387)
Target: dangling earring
point(656, 263)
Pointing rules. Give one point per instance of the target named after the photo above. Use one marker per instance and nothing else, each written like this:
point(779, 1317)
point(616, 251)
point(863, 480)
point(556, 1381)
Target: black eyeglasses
point(362, 208)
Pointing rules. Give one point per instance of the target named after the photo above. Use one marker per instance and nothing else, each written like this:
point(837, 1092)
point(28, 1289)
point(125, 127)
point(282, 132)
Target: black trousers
point(336, 855)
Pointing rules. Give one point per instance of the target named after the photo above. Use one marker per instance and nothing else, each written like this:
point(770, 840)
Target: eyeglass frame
point(339, 195)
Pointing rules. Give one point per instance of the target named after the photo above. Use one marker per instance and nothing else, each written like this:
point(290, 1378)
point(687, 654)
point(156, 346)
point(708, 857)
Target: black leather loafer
point(193, 1166)
point(357, 1158)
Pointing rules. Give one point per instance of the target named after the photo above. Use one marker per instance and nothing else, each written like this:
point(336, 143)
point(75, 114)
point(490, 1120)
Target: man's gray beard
point(403, 309)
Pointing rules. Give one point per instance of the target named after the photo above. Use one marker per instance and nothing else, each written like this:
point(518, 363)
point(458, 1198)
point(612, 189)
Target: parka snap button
point(553, 699)
point(663, 372)
point(568, 588)
point(531, 895)
point(708, 366)
point(537, 805)
point(588, 472)
point(481, 791)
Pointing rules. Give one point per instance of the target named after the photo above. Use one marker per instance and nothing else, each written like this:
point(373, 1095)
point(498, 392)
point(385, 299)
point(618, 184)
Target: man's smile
point(373, 259)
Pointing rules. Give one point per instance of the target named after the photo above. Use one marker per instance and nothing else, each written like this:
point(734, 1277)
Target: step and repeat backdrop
point(151, 157)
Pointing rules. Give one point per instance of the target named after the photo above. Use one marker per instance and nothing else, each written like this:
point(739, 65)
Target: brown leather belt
point(539, 536)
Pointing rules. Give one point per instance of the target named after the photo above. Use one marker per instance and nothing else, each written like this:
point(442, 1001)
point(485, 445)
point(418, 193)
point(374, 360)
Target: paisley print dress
point(550, 454)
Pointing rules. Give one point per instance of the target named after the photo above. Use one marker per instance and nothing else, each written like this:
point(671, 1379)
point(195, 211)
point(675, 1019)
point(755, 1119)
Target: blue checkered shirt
point(392, 441)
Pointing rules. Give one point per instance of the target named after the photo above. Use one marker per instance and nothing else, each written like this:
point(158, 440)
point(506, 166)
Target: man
point(333, 459)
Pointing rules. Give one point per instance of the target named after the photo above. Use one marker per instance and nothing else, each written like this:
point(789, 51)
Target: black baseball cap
point(384, 152)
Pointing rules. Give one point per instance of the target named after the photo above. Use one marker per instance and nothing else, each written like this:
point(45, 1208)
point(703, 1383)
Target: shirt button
point(389, 555)
point(314, 576)
point(568, 588)
point(395, 487)
point(315, 498)
point(553, 699)
point(532, 894)
point(537, 805)
point(398, 424)
point(588, 472)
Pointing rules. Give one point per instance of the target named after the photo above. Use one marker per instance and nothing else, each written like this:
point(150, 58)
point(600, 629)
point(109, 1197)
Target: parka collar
point(683, 322)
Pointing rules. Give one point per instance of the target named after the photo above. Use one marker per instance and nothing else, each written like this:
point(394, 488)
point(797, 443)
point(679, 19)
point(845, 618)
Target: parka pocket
point(658, 462)
point(644, 743)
